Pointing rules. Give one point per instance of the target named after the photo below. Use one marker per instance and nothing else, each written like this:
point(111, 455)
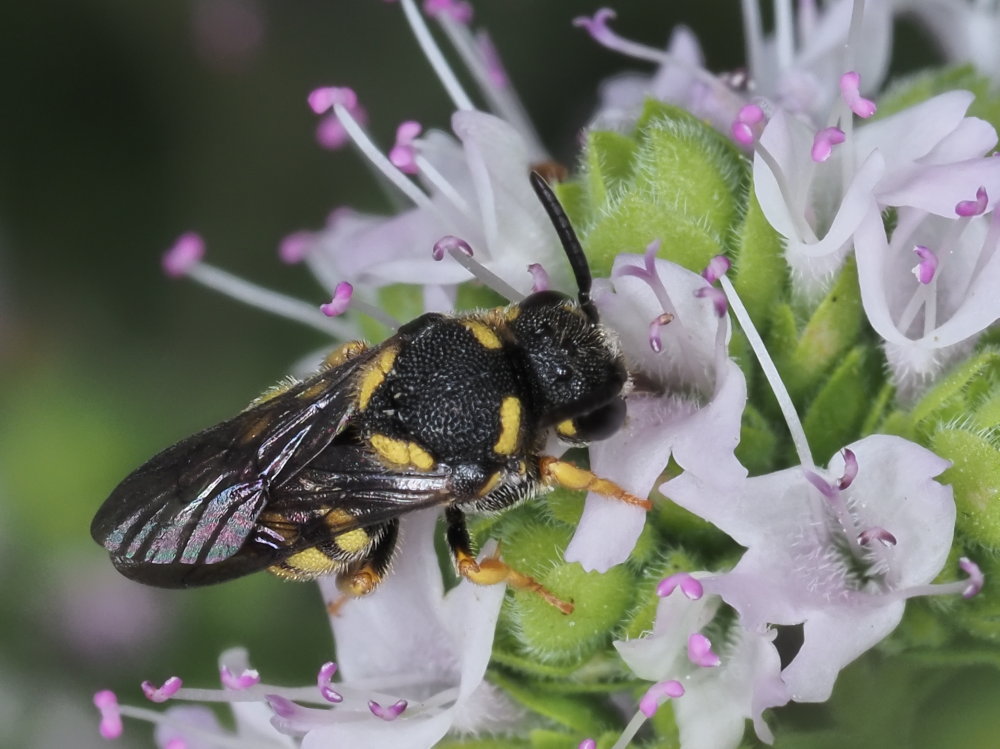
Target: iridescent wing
point(197, 502)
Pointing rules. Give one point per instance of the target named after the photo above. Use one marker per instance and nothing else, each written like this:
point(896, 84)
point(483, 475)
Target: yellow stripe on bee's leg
point(555, 472)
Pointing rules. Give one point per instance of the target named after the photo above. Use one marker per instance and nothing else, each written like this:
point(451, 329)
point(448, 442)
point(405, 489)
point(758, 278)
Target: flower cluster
point(851, 237)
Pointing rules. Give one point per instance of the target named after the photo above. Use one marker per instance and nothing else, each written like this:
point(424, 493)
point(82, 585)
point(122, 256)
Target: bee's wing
point(197, 502)
point(343, 489)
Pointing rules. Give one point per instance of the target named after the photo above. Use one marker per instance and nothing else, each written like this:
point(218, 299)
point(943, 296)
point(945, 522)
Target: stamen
point(495, 70)
point(323, 681)
point(164, 693)
point(824, 141)
point(111, 719)
point(331, 133)
point(717, 297)
point(689, 586)
point(282, 706)
point(600, 32)
point(881, 535)
point(657, 694)
point(966, 208)
point(753, 35)
point(784, 33)
point(927, 267)
point(966, 588)
point(403, 155)
point(748, 125)
point(850, 92)
point(323, 99)
point(771, 373)
point(294, 248)
point(434, 56)
point(185, 253)
point(461, 252)
point(450, 244)
point(270, 301)
point(699, 651)
point(539, 278)
point(850, 469)
point(717, 267)
point(460, 12)
point(822, 485)
point(976, 577)
point(387, 713)
point(248, 678)
point(340, 301)
point(654, 331)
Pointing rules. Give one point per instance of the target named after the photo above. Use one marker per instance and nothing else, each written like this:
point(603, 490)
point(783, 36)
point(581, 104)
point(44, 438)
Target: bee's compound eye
point(602, 422)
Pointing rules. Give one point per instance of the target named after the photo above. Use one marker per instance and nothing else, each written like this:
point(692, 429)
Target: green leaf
point(585, 715)
point(829, 333)
point(975, 478)
point(953, 396)
point(759, 270)
point(832, 418)
point(608, 163)
point(758, 442)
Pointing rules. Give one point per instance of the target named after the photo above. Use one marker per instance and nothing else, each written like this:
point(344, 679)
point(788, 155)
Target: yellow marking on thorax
point(566, 428)
point(483, 333)
point(510, 426)
point(375, 376)
point(311, 562)
point(352, 541)
point(342, 353)
point(401, 452)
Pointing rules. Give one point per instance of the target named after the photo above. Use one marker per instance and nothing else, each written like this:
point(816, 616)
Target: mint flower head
point(797, 262)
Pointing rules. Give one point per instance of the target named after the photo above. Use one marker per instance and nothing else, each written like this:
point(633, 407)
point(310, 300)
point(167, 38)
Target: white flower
point(841, 563)
point(740, 683)
point(688, 400)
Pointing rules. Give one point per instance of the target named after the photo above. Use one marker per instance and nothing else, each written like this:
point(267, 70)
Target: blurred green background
point(124, 124)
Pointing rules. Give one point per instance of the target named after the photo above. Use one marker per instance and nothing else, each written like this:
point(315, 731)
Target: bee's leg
point(555, 472)
point(343, 353)
point(361, 577)
point(491, 570)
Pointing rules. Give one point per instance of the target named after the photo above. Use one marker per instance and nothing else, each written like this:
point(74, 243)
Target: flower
point(720, 692)
point(808, 562)
point(419, 676)
point(688, 405)
point(836, 551)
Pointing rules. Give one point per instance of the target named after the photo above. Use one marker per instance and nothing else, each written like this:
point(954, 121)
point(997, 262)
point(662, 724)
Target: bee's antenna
point(570, 242)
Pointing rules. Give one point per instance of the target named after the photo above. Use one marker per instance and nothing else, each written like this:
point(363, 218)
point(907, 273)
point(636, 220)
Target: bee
point(312, 478)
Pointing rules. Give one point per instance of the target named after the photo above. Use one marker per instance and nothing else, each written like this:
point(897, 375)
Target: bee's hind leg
point(491, 570)
point(361, 577)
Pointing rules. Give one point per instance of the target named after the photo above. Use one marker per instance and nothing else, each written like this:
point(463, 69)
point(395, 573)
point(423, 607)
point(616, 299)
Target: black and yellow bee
point(450, 411)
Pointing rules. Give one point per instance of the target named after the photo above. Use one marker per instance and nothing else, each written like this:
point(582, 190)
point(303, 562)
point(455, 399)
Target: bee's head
point(576, 368)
